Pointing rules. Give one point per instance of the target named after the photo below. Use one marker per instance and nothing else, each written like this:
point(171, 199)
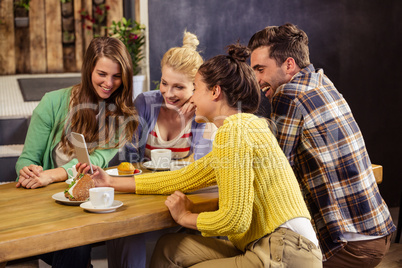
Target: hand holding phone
point(81, 150)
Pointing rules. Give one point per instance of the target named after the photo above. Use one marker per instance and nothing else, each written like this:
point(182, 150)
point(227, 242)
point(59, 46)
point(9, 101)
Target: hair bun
point(190, 40)
point(239, 52)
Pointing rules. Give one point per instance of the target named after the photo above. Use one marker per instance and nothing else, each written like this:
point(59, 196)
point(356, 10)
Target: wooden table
point(32, 223)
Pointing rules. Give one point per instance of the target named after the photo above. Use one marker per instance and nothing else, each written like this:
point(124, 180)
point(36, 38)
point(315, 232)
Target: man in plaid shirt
point(323, 143)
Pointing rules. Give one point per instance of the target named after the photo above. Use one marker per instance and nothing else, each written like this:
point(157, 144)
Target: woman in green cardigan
point(96, 107)
point(261, 208)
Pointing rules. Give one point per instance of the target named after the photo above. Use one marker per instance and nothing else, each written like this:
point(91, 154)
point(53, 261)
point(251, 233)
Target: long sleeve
point(235, 179)
point(38, 135)
point(287, 125)
point(99, 157)
point(197, 175)
point(45, 130)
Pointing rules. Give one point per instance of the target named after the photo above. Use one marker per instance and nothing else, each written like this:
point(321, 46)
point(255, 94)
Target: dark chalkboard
point(357, 43)
point(220, 23)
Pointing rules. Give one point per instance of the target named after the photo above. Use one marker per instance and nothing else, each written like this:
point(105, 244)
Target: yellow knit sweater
point(257, 188)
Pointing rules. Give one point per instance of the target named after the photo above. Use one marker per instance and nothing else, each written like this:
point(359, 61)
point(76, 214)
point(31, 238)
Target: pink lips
point(171, 102)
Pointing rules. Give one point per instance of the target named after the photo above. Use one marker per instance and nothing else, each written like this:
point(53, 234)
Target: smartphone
point(81, 150)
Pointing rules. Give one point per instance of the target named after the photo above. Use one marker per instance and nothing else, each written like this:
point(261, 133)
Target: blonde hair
point(185, 59)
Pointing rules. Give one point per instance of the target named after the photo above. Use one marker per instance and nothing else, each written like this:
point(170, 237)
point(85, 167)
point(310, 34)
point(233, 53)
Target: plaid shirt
point(323, 143)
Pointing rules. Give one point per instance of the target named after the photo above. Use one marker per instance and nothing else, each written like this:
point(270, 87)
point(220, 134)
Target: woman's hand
point(29, 177)
point(100, 177)
point(180, 208)
point(187, 107)
point(30, 171)
point(33, 176)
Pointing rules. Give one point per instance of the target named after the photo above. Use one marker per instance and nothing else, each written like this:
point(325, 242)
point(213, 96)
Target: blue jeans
point(77, 257)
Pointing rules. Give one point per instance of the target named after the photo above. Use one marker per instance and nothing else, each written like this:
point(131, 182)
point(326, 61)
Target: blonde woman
point(166, 115)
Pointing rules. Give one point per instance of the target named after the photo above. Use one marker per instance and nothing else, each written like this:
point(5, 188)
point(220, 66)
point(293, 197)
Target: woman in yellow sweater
point(261, 209)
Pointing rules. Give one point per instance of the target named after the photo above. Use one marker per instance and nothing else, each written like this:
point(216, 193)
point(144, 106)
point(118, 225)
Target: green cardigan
point(44, 133)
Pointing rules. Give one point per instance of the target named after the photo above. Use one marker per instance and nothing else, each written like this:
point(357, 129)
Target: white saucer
point(88, 206)
point(150, 165)
point(61, 198)
point(115, 173)
point(175, 165)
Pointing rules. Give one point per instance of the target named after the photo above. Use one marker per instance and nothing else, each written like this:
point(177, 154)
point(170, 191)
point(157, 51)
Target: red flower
point(133, 37)
point(98, 11)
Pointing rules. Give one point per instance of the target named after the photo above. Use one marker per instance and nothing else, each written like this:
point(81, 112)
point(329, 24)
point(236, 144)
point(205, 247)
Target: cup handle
point(106, 198)
point(68, 172)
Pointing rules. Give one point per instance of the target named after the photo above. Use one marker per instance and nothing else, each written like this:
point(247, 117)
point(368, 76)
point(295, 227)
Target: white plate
point(115, 173)
point(150, 165)
point(88, 206)
point(61, 198)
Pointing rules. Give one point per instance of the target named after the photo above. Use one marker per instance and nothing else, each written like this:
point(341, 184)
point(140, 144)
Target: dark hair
point(235, 77)
point(284, 41)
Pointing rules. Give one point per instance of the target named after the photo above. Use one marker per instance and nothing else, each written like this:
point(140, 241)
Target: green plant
point(132, 34)
point(157, 84)
point(22, 3)
point(68, 37)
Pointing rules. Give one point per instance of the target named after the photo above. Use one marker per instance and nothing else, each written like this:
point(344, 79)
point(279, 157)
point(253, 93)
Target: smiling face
point(176, 87)
point(269, 75)
point(202, 100)
point(106, 77)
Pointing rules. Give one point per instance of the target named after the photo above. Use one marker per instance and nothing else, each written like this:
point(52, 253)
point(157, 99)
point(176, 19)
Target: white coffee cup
point(161, 158)
point(175, 165)
point(72, 172)
point(101, 197)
